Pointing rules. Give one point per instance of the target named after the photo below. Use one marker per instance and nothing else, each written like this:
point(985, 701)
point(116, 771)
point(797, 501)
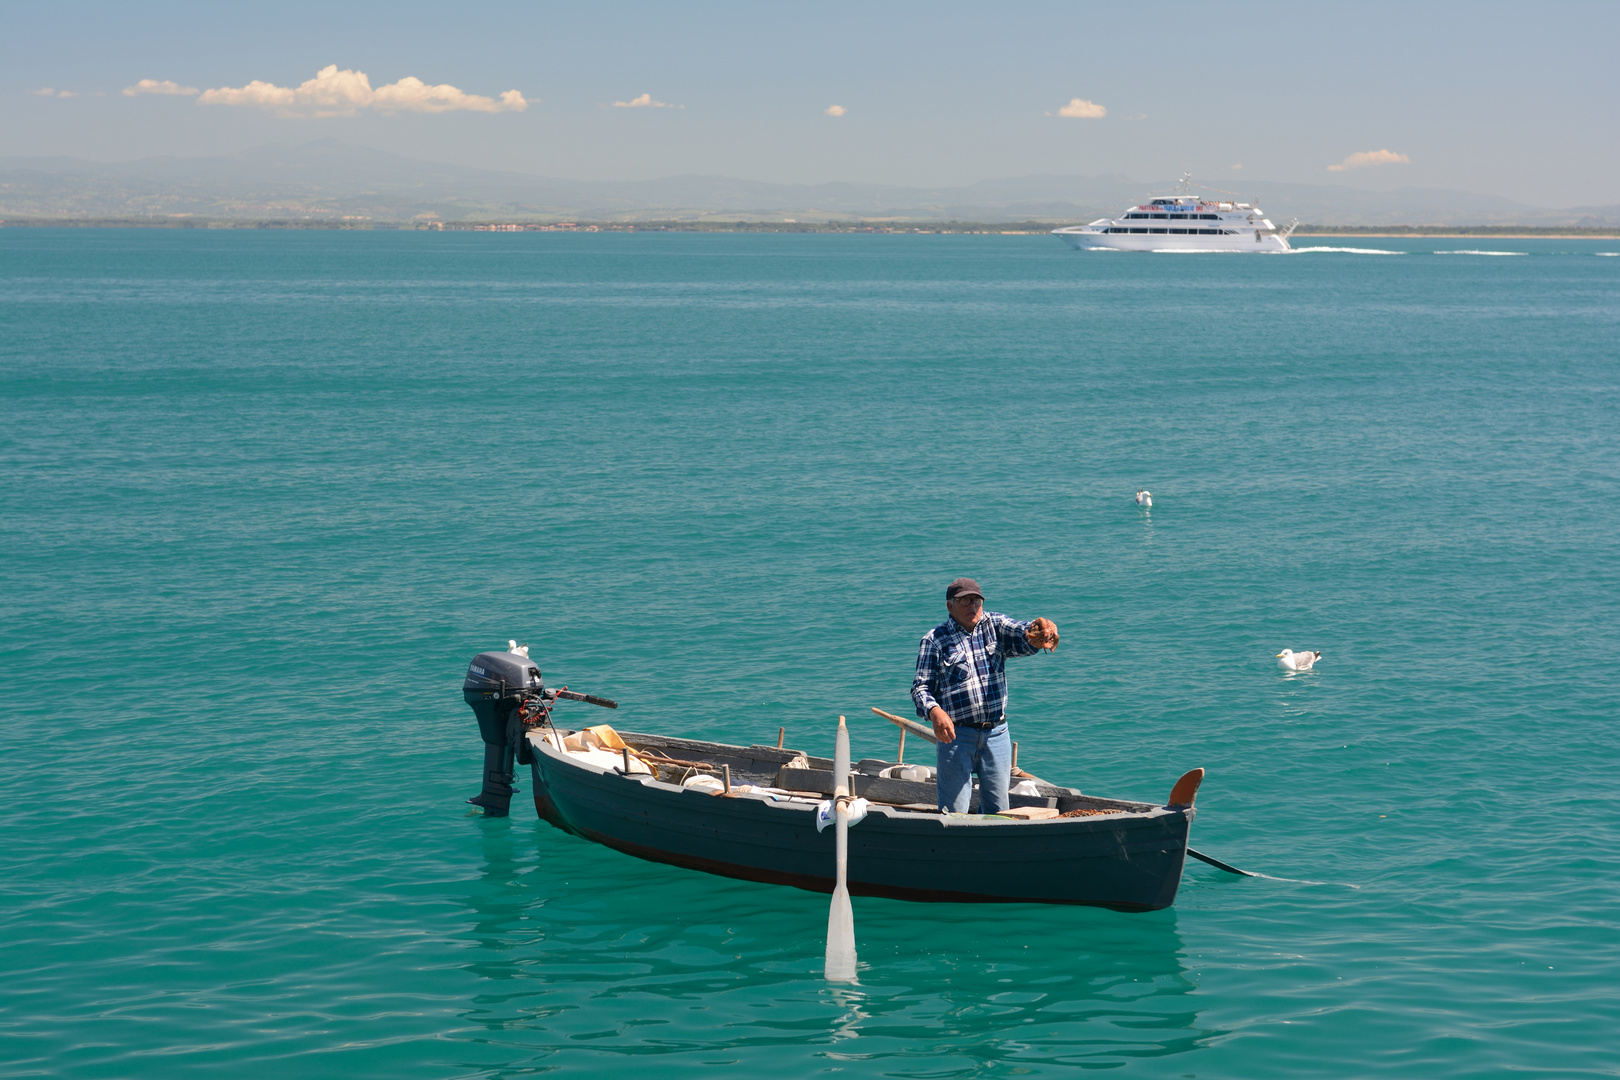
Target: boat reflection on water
point(580, 957)
point(503, 909)
point(955, 994)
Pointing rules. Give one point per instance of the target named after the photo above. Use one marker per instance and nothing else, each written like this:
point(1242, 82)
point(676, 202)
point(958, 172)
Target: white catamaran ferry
point(1181, 222)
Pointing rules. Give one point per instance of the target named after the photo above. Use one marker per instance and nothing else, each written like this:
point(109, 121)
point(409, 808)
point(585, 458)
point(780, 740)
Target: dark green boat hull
point(1128, 861)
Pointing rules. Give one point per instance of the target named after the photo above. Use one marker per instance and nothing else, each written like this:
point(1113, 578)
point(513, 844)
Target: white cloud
point(1238, 166)
point(344, 93)
point(1081, 109)
point(153, 86)
point(413, 95)
point(1370, 157)
point(44, 91)
point(66, 93)
point(836, 110)
point(645, 101)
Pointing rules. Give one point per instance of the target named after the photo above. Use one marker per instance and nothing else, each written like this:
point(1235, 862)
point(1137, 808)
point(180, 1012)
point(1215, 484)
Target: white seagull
point(1144, 498)
point(1289, 660)
point(513, 647)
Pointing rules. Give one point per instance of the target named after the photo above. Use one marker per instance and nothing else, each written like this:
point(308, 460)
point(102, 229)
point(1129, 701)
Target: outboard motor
point(496, 686)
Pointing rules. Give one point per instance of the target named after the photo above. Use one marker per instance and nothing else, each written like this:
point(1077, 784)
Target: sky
point(1513, 99)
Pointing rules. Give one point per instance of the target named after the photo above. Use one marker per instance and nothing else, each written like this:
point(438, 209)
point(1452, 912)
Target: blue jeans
point(987, 752)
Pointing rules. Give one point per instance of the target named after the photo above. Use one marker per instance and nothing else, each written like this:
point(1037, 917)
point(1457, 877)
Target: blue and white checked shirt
point(965, 672)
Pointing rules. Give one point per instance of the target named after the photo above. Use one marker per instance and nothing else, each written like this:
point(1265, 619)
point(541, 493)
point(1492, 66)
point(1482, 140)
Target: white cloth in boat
point(602, 747)
point(826, 815)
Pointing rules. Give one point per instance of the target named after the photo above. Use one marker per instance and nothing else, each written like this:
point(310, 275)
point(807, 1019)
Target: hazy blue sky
point(1521, 100)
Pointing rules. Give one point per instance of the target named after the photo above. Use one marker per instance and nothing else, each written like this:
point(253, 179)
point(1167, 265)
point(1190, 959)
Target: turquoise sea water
point(263, 495)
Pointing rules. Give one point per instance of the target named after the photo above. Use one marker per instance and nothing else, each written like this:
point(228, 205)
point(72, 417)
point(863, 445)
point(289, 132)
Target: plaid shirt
point(964, 672)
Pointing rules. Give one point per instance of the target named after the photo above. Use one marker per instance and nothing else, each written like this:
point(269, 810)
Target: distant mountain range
point(331, 181)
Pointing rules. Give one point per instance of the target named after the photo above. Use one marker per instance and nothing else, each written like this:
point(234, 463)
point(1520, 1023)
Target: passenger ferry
point(1182, 222)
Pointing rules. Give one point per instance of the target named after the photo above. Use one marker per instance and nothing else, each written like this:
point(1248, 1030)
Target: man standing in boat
point(961, 688)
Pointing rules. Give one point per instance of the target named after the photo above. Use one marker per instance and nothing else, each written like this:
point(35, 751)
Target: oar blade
point(841, 937)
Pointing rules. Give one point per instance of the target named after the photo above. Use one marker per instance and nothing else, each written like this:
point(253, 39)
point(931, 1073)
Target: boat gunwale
point(1125, 810)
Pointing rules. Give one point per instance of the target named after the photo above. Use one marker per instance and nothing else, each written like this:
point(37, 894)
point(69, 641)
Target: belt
point(981, 727)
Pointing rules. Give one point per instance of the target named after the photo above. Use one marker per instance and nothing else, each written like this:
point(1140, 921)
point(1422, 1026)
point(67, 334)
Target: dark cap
point(962, 586)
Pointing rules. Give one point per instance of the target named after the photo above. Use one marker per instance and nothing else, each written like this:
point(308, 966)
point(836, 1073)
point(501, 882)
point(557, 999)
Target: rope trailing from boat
point(1251, 873)
point(1217, 864)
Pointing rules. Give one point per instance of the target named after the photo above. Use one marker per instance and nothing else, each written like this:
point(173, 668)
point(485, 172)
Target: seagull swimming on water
point(1289, 660)
point(1144, 497)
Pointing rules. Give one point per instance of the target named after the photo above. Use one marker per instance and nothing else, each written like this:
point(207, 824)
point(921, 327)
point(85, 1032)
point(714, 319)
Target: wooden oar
point(1185, 791)
point(841, 916)
point(909, 725)
point(927, 732)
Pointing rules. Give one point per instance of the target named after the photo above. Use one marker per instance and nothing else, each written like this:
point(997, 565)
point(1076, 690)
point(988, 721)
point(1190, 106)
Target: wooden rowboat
point(753, 817)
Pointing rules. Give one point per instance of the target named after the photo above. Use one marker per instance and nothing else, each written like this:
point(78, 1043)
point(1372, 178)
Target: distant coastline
point(961, 228)
point(1019, 228)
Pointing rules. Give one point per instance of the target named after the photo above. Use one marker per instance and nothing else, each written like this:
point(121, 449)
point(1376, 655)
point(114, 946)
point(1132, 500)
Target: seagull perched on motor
point(513, 647)
point(1289, 660)
point(1144, 497)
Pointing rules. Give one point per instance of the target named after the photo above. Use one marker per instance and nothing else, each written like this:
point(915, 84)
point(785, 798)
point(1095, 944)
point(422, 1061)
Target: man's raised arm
point(1026, 638)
